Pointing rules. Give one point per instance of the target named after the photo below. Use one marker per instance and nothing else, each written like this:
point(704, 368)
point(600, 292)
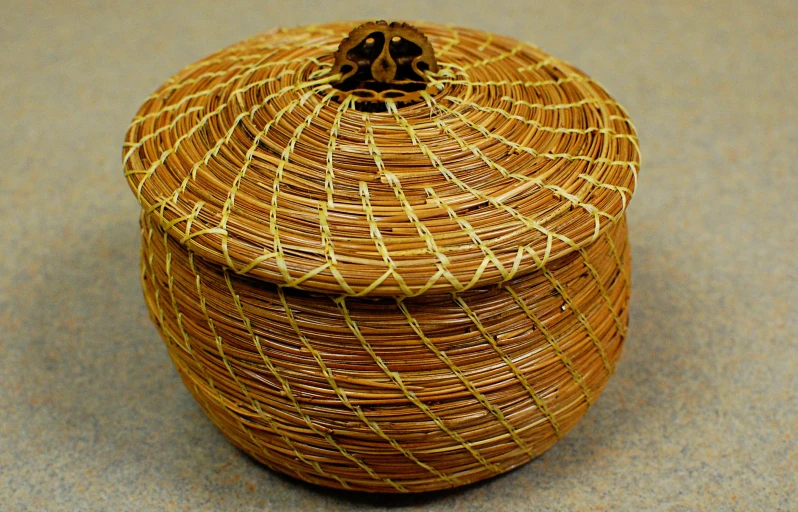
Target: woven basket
point(386, 258)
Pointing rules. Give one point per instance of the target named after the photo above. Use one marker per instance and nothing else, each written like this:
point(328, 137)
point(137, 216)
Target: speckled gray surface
point(702, 412)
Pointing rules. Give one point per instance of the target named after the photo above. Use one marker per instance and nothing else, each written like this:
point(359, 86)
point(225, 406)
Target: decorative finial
point(380, 61)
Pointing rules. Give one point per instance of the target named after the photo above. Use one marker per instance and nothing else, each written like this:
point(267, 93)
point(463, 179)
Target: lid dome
point(264, 158)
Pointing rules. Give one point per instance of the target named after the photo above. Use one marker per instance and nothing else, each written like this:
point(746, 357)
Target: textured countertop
point(702, 413)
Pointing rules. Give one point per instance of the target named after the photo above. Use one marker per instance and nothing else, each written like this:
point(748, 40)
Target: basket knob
point(379, 61)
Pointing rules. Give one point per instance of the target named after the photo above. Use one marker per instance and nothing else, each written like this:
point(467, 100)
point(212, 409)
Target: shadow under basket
point(394, 262)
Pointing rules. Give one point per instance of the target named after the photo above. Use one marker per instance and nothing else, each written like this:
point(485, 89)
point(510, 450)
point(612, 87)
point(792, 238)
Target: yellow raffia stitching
point(531, 122)
point(566, 361)
point(396, 378)
point(617, 259)
point(286, 155)
point(243, 74)
point(396, 186)
point(539, 402)
point(436, 162)
point(330, 377)
point(218, 394)
point(454, 40)
point(538, 65)
point(497, 58)
point(274, 426)
point(227, 57)
point(256, 405)
point(519, 147)
point(472, 234)
point(217, 146)
point(581, 318)
point(573, 199)
point(329, 175)
point(149, 254)
point(440, 354)
point(329, 250)
point(290, 395)
point(376, 236)
point(233, 94)
point(575, 78)
point(603, 292)
point(487, 42)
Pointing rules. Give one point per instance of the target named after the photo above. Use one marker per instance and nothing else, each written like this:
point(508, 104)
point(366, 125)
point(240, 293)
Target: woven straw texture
point(404, 300)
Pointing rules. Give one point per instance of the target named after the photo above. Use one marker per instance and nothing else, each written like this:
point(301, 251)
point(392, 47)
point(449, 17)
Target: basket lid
point(455, 158)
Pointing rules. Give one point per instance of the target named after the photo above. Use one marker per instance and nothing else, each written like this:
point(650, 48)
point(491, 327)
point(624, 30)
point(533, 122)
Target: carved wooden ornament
point(380, 61)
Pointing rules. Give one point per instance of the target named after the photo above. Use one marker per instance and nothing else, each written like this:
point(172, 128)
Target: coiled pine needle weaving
point(406, 288)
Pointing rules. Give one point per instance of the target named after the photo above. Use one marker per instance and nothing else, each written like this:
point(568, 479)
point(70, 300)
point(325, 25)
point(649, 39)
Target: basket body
point(384, 395)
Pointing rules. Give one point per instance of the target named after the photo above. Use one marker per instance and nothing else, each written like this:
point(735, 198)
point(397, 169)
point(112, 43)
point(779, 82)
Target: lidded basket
point(386, 257)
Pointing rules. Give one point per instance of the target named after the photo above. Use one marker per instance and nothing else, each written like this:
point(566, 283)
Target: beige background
point(702, 412)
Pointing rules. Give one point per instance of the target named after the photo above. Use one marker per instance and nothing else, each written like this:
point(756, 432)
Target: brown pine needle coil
point(391, 297)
